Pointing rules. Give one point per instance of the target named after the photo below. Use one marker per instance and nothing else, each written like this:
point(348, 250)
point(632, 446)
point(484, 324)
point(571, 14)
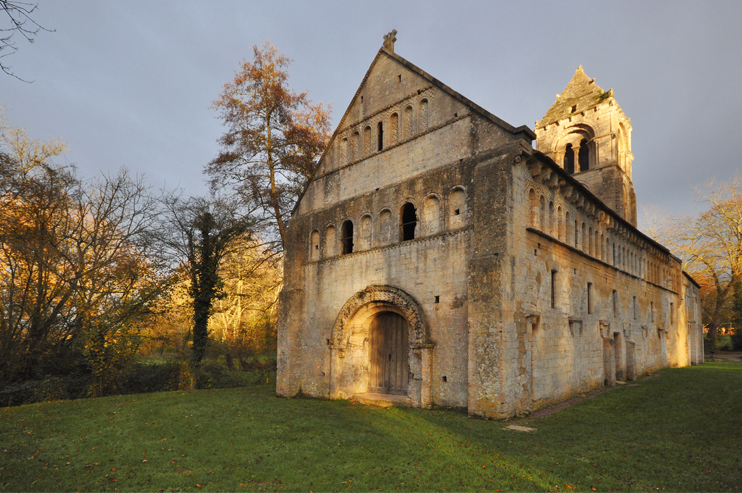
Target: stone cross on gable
point(389, 40)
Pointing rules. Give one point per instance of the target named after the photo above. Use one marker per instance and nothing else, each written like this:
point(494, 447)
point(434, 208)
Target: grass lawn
point(677, 432)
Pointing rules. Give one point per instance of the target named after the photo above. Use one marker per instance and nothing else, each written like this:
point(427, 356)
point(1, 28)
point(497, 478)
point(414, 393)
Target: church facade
point(438, 258)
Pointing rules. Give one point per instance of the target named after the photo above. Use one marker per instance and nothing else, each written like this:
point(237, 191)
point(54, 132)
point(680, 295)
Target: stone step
point(382, 400)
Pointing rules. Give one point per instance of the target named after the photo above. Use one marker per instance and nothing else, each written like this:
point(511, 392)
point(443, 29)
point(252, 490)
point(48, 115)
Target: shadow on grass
point(677, 432)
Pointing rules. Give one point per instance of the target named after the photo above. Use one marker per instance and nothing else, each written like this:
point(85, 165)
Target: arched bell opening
point(576, 151)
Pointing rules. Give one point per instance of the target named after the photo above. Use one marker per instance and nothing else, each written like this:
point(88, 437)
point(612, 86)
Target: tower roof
point(581, 92)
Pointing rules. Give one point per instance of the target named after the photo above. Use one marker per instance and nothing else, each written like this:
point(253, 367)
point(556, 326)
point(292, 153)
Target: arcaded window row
point(582, 233)
point(387, 227)
point(382, 132)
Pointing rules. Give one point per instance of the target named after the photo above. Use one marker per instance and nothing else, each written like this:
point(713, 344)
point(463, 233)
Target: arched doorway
point(388, 364)
point(380, 344)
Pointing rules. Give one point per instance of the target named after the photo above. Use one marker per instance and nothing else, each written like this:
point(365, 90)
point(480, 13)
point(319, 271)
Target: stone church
point(438, 257)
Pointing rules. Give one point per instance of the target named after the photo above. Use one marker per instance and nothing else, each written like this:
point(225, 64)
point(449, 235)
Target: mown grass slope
point(677, 432)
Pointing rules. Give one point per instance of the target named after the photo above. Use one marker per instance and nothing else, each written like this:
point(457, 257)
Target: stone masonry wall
point(640, 314)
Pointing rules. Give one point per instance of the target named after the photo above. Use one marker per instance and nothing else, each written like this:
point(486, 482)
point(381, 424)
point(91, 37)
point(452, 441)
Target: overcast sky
point(130, 83)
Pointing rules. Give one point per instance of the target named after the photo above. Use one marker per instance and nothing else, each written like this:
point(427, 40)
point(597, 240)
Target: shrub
point(48, 389)
point(737, 340)
point(146, 377)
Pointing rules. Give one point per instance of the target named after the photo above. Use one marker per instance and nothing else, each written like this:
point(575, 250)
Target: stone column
point(426, 387)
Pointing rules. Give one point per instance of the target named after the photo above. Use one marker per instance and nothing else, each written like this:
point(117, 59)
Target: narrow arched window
point(385, 220)
point(569, 160)
point(614, 255)
point(314, 246)
point(347, 237)
point(431, 215)
point(560, 224)
point(380, 136)
point(584, 156)
point(615, 303)
point(533, 204)
point(542, 214)
point(367, 141)
point(357, 149)
point(408, 122)
point(423, 116)
point(552, 220)
point(590, 241)
point(330, 241)
point(393, 129)
point(365, 242)
point(456, 208)
point(585, 240)
point(408, 221)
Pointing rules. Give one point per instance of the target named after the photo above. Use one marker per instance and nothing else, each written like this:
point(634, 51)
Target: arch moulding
point(375, 299)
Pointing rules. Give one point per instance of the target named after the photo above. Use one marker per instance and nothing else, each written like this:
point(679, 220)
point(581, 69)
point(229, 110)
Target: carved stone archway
point(349, 338)
point(386, 297)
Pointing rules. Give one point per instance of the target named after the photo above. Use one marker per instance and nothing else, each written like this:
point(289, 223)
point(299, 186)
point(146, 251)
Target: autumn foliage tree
point(710, 245)
point(244, 318)
point(273, 140)
point(75, 275)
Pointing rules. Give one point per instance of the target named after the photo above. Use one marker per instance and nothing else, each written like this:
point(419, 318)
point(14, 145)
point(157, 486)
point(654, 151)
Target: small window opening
point(553, 288)
point(399, 78)
point(409, 221)
point(584, 156)
point(574, 108)
point(437, 299)
point(569, 160)
point(589, 298)
point(615, 303)
point(456, 212)
point(672, 313)
point(361, 99)
point(445, 378)
point(380, 135)
point(347, 237)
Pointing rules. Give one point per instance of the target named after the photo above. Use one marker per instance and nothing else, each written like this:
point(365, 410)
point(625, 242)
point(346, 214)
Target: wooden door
point(388, 354)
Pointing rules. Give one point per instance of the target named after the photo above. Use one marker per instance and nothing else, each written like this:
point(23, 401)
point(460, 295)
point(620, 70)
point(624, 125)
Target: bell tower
point(586, 133)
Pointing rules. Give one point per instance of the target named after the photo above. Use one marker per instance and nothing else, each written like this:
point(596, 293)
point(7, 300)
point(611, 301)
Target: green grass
point(677, 432)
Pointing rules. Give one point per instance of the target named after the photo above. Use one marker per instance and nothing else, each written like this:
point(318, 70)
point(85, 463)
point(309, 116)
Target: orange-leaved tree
point(273, 141)
point(710, 245)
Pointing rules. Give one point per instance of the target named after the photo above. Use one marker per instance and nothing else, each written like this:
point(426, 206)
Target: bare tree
point(710, 245)
point(75, 276)
point(20, 22)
